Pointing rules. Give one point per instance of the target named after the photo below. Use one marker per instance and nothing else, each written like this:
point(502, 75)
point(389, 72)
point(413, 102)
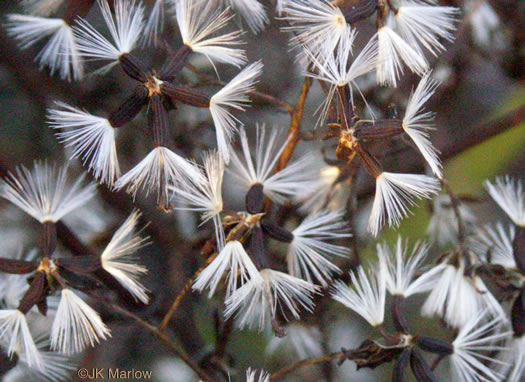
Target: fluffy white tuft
point(44, 194)
point(457, 297)
point(13, 325)
point(290, 181)
point(92, 138)
point(423, 26)
point(198, 20)
point(76, 325)
point(42, 8)
point(60, 53)
point(251, 376)
point(309, 252)
point(125, 28)
point(393, 193)
point(509, 195)
point(232, 96)
point(471, 360)
point(392, 51)
point(367, 298)
point(261, 296)
point(118, 260)
point(317, 25)
point(205, 195)
point(496, 242)
point(158, 171)
point(417, 123)
point(252, 11)
point(232, 258)
point(401, 266)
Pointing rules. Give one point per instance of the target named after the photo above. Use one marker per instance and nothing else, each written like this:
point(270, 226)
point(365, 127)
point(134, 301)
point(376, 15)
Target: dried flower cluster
point(279, 228)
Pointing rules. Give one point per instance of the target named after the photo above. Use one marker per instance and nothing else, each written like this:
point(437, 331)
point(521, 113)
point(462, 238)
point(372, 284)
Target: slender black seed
point(80, 264)
point(518, 248)
point(130, 108)
point(381, 129)
point(420, 367)
point(158, 121)
point(398, 372)
point(397, 310)
point(276, 232)
point(49, 239)
point(77, 248)
point(84, 283)
point(256, 249)
point(133, 68)
point(35, 293)
point(185, 95)
point(433, 345)
point(518, 314)
point(17, 267)
point(175, 63)
point(254, 200)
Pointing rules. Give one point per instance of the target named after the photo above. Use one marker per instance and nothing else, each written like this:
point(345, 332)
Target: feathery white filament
point(417, 123)
point(43, 192)
point(335, 68)
point(92, 138)
point(232, 258)
point(509, 195)
point(252, 374)
point(54, 367)
point(367, 298)
point(497, 241)
point(158, 171)
point(125, 29)
point(393, 193)
point(309, 252)
point(422, 25)
point(235, 96)
point(400, 267)
point(317, 25)
point(60, 53)
point(42, 8)
point(118, 260)
point(76, 325)
point(297, 176)
point(457, 298)
point(198, 20)
point(392, 50)
point(263, 294)
point(205, 195)
point(155, 23)
point(252, 11)
point(13, 325)
point(470, 360)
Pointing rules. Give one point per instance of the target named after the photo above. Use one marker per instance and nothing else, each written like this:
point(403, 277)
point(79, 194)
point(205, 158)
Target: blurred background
point(480, 131)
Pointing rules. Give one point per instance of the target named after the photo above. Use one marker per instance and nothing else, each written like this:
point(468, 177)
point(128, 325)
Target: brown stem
point(294, 132)
point(455, 206)
point(305, 362)
point(183, 292)
point(157, 332)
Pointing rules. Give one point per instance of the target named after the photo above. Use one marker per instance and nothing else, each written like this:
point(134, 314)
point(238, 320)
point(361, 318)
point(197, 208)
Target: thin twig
point(305, 362)
point(455, 206)
point(294, 132)
point(183, 292)
point(165, 340)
